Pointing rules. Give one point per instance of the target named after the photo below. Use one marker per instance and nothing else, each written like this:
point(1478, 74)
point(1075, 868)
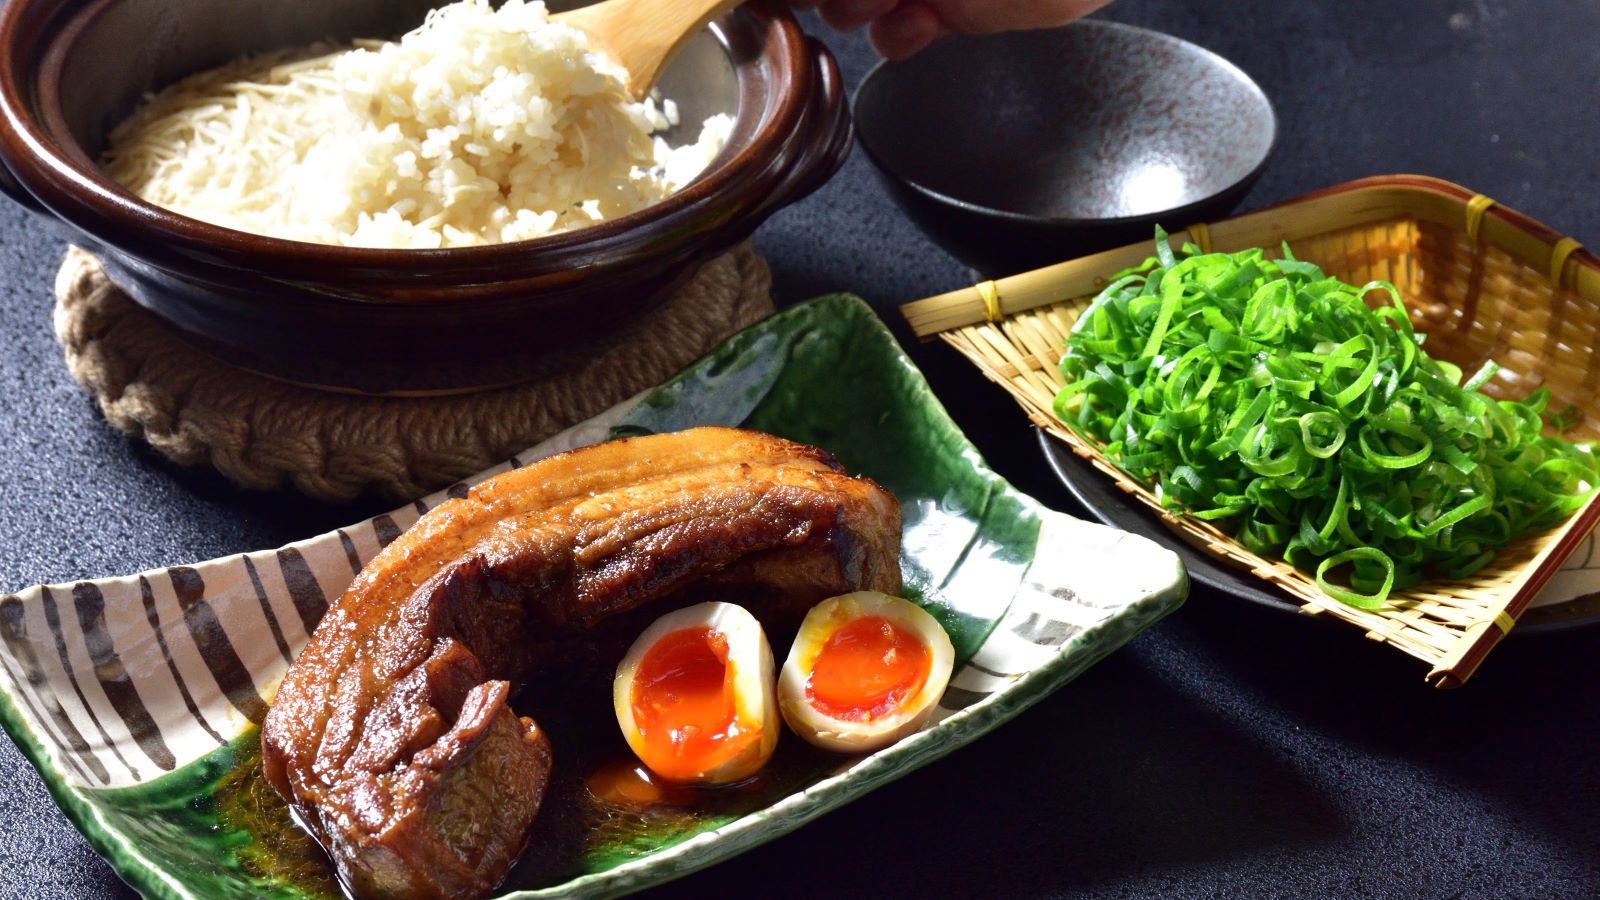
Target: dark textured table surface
point(1230, 751)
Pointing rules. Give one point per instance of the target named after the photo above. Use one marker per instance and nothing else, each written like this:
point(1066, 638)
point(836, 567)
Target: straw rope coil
point(265, 434)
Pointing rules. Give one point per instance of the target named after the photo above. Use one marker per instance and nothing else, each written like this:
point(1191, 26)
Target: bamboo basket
point(1481, 281)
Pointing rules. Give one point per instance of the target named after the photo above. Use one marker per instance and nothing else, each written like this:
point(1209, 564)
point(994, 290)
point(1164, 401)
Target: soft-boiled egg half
point(865, 670)
point(694, 695)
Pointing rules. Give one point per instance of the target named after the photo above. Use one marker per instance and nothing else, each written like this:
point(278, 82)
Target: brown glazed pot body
point(388, 320)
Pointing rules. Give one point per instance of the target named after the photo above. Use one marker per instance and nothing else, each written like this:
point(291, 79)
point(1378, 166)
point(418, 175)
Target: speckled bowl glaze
point(1014, 151)
point(394, 320)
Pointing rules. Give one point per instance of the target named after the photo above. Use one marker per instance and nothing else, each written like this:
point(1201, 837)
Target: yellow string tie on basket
point(1502, 620)
point(1476, 207)
point(1559, 254)
point(1201, 235)
point(990, 292)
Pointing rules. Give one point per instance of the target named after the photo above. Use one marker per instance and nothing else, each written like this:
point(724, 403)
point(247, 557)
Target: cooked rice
point(483, 125)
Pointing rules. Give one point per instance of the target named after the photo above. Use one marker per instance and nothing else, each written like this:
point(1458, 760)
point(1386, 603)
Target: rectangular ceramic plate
point(137, 698)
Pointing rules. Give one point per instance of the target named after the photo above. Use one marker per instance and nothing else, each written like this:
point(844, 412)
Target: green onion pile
point(1268, 395)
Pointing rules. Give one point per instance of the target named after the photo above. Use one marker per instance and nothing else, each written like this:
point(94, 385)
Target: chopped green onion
point(1273, 399)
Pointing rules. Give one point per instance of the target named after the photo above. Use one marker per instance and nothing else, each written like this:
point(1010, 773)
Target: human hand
point(899, 28)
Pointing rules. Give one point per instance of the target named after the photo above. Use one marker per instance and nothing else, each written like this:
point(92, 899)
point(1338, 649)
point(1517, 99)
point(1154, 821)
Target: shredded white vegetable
point(483, 125)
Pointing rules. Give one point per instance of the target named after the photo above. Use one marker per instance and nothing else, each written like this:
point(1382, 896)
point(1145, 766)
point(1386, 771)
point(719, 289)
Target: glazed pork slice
point(393, 735)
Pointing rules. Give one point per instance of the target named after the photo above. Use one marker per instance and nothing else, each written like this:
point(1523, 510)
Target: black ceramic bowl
point(1014, 151)
point(393, 320)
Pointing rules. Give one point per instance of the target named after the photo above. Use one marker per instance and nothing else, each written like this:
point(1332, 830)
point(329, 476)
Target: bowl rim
point(97, 205)
point(1065, 222)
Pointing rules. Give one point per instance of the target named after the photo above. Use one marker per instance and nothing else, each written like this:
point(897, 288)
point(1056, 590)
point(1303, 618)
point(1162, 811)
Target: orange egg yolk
point(866, 670)
point(684, 706)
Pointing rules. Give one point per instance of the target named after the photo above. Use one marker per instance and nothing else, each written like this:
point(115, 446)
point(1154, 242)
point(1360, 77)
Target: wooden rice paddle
point(643, 35)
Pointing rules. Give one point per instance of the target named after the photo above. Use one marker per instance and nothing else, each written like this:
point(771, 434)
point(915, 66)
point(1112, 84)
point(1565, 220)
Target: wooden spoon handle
point(642, 35)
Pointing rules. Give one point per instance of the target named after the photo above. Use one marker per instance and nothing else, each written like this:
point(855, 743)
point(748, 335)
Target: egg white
point(749, 657)
point(821, 622)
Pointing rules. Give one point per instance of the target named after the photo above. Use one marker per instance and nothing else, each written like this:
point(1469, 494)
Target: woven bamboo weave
point(1478, 281)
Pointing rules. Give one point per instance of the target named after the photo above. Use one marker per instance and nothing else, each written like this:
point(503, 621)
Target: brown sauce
point(602, 806)
point(280, 851)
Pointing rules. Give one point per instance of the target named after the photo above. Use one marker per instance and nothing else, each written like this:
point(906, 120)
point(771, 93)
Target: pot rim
point(52, 166)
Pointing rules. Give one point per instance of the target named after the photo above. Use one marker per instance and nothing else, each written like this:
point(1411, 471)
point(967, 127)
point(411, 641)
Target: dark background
point(1230, 751)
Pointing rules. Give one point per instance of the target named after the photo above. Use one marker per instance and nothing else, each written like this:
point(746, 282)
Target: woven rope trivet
point(263, 434)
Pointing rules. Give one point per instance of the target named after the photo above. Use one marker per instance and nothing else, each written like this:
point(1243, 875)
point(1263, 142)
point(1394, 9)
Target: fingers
point(1060, 12)
point(904, 30)
point(900, 28)
point(985, 16)
point(848, 15)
